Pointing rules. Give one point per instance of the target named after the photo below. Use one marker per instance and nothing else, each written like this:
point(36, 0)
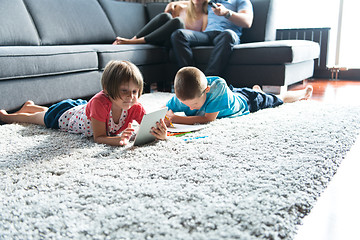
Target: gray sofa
point(56, 49)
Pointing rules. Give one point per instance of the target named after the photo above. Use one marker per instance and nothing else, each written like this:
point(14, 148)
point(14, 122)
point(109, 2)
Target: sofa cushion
point(139, 54)
point(70, 22)
point(126, 18)
point(48, 89)
point(30, 61)
point(270, 52)
point(16, 26)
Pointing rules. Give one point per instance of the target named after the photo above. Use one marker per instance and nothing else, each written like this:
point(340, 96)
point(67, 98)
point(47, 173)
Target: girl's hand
point(126, 135)
point(160, 131)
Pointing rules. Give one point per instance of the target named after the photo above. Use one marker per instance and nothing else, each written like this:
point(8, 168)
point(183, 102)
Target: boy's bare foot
point(308, 92)
point(293, 96)
point(257, 88)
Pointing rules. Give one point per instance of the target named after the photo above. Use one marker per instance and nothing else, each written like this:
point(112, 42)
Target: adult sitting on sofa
point(57, 49)
point(225, 22)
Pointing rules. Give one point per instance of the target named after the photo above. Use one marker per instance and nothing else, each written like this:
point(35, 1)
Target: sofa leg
point(283, 89)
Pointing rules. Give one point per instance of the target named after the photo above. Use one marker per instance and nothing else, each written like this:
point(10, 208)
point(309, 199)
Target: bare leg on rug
point(292, 96)
point(29, 113)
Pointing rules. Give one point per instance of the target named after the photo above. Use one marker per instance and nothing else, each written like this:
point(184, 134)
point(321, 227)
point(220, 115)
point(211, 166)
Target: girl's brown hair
point(117, 73)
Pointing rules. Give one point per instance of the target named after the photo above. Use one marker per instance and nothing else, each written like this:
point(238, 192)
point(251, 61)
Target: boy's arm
point(208, 117)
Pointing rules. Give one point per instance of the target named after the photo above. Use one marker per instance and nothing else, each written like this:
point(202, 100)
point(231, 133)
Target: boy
point(204, 99)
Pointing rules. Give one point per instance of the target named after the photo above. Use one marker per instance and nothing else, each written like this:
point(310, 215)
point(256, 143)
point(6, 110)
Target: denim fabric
point(51, 118)
point(258, 100)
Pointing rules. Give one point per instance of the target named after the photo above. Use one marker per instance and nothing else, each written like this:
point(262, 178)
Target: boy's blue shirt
point(219, 99)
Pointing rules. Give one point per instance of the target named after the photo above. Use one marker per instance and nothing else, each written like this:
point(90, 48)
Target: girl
point(108, 113)
point(192, 15)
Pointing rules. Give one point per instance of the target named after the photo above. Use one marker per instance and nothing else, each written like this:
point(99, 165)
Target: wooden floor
point(332, 91)
point(336, 213)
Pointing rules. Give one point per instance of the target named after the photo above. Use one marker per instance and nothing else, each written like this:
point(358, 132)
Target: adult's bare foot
point(119, 40)
point(134, 40)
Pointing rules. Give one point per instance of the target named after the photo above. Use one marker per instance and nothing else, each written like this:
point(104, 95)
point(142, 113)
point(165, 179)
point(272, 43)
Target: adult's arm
point(242, 18)
point(176, 7)
point(205, 20)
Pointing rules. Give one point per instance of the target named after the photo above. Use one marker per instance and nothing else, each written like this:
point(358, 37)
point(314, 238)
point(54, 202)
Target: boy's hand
point(168, 118)
point(126, 135)
point(160, 131)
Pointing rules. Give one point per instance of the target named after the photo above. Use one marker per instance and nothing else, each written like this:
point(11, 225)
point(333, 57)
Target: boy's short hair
point(189, 83)
point(117, 73)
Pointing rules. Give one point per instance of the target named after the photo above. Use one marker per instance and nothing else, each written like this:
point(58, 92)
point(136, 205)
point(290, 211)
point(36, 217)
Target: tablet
point(149, 120)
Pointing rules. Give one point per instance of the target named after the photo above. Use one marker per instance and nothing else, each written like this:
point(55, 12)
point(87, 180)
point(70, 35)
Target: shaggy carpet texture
point(251, 177)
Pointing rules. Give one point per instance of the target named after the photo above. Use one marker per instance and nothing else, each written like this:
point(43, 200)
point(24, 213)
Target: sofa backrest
point(126, 18)
point(16, 26)
point(263, 27)
point(70, 21)
point(155, 8)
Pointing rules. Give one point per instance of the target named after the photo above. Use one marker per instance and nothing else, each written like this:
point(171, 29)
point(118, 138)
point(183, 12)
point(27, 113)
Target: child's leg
point(257, 88)
point(29, 113)
point(293, 96)
point(34, 118)
point(31, 107)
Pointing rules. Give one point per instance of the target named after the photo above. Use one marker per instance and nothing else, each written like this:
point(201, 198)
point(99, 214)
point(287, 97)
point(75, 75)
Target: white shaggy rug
point(252, 177)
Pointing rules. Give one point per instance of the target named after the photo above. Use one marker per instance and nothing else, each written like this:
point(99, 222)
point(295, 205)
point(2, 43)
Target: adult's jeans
point(183, 40)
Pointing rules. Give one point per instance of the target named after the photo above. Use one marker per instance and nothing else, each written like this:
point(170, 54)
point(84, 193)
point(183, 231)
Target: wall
point(310, 14)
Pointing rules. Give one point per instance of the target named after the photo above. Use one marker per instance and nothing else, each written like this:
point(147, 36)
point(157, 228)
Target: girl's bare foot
point(26, 105)
point(30, 107)
point(3, 113)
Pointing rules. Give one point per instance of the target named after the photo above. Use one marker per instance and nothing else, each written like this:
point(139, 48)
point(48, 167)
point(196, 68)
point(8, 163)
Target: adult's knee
point(229, 37)
point(178, 22)
point(165, 17)
point(177, 35)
